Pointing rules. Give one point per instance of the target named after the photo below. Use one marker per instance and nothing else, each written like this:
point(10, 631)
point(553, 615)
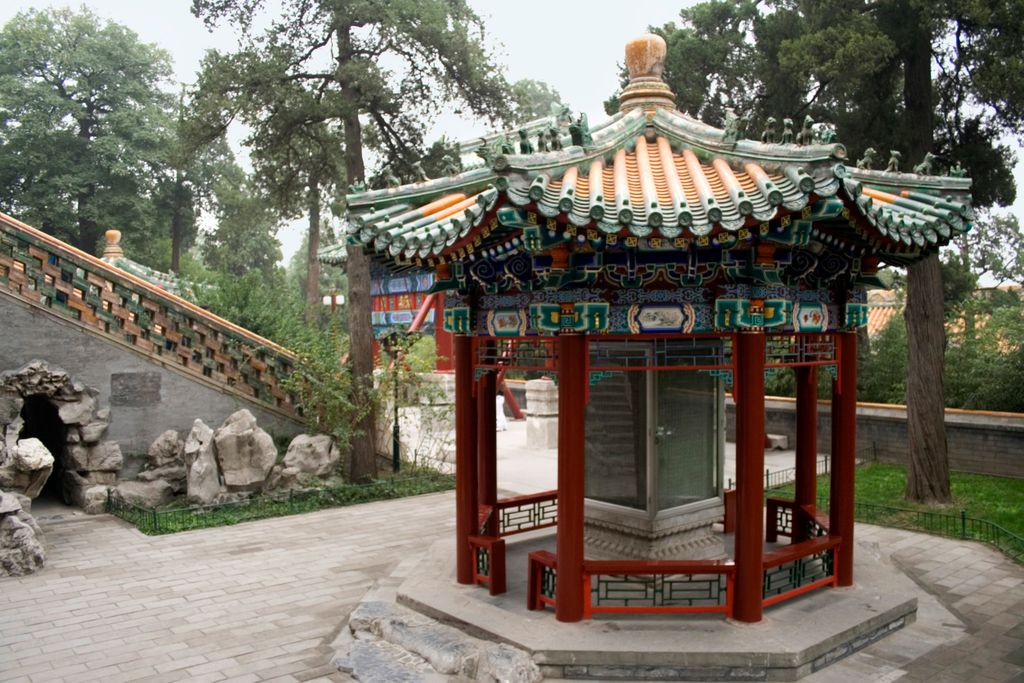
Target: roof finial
point(645, 59)
point(113, 250)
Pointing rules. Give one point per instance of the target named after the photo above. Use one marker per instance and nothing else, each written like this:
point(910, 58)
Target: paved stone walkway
point(257, 601)
point(974, 582)
point(263, 600)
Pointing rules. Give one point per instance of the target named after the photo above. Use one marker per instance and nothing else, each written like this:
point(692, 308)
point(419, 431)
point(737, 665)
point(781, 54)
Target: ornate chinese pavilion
point(650, 263)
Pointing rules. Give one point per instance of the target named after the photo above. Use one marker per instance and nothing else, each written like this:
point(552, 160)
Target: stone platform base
point(796, 637)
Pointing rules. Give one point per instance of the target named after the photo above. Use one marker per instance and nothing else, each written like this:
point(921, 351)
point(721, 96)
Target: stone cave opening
point(42, 421)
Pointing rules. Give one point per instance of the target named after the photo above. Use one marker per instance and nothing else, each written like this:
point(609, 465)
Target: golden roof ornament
point(645, 60)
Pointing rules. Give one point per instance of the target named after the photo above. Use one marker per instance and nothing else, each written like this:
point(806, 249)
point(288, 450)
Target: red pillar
point(465, 458)
point(443, 349)
point(572, 376)
point(487, 446)
point(749, 548)
point(806, 443)
point(844, 450)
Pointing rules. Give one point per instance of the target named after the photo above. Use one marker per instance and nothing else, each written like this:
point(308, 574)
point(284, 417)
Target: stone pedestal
point(541, 414)
point(612, 532)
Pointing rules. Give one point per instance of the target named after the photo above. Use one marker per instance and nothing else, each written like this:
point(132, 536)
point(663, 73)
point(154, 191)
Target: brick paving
point(264, 600)
point(974, 582)
point(254, 602)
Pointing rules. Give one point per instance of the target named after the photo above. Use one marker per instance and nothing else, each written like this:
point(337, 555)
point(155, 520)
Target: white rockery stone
point(245, 452)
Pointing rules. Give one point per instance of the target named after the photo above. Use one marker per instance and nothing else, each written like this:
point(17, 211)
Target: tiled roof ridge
point(616, 132)
point(136, 281)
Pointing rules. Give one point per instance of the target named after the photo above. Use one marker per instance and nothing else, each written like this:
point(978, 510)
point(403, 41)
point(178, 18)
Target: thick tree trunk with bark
point(928, 460)
point(363, 462)
point(928, 464)
point(313, 301)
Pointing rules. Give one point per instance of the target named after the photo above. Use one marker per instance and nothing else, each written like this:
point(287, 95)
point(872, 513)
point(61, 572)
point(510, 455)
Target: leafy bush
point(323, 386)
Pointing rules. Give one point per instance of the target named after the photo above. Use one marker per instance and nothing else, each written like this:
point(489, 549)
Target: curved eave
point(912, 215)
point(334, 255)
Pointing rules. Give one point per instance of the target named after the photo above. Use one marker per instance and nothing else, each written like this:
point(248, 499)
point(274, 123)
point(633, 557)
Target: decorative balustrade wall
point(130, 312)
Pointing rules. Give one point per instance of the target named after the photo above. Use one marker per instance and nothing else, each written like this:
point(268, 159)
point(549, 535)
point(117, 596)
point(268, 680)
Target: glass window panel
point(686, 437)
point(616, 440)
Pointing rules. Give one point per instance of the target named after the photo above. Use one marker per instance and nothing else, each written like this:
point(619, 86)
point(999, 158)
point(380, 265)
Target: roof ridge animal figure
point(503, 145)
point(806, 135)
point(525, 146)
point(769, 134)
point(554, 139)
point(927, 165)
point(452, 164)
point(869, 159)
point(787, 131)
point(894, 161)
point(579, 131)
point(734, 125)
point(484, 152)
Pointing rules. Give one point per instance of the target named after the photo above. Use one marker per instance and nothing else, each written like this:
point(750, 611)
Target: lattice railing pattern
point(784, 520)
point(483, 561)
point(803, 571)
point(654, 591)
point(548, 581)
point(539, 353)
point(527, 513)
point(799, 349)
point(74, 286)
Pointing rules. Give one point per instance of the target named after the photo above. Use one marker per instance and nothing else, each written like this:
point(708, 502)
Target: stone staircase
point(127, 310)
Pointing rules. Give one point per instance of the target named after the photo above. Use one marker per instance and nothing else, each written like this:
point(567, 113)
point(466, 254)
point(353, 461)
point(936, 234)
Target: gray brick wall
point(145, 398)
point(979, 442)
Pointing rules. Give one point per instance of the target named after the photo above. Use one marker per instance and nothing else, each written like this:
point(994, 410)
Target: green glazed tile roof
point(654, 174)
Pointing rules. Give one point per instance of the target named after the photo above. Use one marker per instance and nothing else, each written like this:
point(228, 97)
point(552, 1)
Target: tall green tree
point(295, 144)
point(532, 99)
point(911, 75)
point(84, 125)
point(389, 66)
point(186, 188)
point(244, 238)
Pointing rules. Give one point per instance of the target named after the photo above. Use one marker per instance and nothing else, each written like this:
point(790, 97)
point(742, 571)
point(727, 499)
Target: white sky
point(573, 45)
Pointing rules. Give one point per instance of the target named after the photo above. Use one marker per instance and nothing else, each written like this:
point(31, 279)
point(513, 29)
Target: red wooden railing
point(514, 515)
point(797, 554)
point(693, 574)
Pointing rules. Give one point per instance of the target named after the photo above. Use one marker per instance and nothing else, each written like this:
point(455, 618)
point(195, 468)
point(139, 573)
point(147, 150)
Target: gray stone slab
point(796, 637)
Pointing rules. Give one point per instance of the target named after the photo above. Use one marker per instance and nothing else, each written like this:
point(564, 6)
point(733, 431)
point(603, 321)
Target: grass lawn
point(999, 500)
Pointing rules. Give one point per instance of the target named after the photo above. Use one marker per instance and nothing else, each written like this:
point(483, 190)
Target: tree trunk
point(313, 301)
point(928, 464)
point(928, 460)
point(88, 227)
point(363, 462)
point(177, 222)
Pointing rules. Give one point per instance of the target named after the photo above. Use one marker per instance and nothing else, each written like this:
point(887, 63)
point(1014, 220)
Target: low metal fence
point(952, 525)
point(154, 521)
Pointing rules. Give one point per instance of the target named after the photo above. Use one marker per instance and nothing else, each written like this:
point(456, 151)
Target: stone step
point(377, 661)
point(387, 642)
